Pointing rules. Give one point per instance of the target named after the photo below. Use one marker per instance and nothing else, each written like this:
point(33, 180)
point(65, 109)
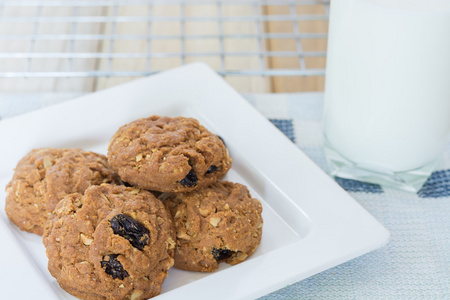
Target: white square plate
point(310, 223)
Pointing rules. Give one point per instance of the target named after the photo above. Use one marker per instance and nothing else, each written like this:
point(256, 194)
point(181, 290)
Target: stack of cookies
point(113, 226)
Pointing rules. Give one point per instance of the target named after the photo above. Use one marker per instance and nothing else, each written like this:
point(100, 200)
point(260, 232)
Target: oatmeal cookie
point(44, 176)
point(113, 242)
point(219, 223)
point(168, 154)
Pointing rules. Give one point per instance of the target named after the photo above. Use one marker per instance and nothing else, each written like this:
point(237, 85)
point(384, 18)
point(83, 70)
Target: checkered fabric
point(416, 262)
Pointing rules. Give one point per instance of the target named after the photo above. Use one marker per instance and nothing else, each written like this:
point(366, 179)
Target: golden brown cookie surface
point(168, 154)
point(219, 223)
point(115, 242)
point(44, 176)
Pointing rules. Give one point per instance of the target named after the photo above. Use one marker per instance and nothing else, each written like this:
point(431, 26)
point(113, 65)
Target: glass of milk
point(387, 90)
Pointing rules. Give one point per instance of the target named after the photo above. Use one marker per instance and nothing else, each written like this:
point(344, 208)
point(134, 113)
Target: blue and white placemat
point(416, 262)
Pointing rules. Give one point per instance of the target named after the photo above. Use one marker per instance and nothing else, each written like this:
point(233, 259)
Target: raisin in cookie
point(44, 176)
point(218, 223)
point(113, 242)
point(168, 154)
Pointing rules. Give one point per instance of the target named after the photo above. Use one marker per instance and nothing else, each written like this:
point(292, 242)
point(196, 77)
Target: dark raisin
point(130, 229)
point(127, 184)
point(113, 267)
point(211, 169)
point(222, 140)
point(190, 180)
point(221, 254)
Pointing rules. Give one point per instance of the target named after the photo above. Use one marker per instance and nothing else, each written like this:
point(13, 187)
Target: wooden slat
point(245, 84)
point(122, 46)
point(46, 85)
point(296, 84)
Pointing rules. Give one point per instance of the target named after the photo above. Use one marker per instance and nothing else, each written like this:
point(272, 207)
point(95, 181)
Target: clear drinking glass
point(387, 90)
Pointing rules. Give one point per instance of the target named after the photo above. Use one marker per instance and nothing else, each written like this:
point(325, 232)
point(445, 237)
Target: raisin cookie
point(113, 242)
point(44, 176)
point(219, 223)
point(168, 154)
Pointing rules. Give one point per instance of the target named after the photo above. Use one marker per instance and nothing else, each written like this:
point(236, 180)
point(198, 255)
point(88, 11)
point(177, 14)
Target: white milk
point(387, 92)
